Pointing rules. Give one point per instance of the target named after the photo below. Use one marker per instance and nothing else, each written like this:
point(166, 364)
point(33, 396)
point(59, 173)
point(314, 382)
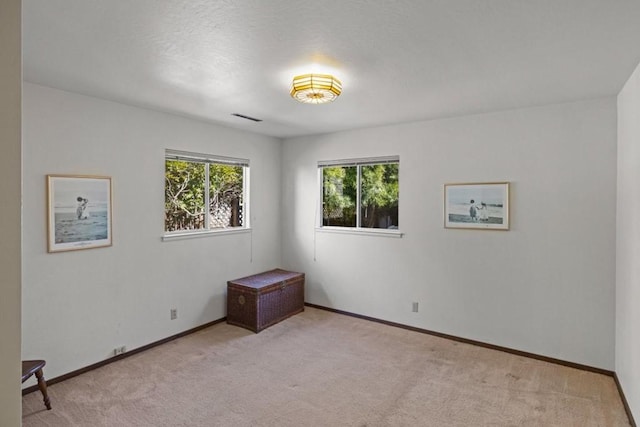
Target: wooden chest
point(257, 302)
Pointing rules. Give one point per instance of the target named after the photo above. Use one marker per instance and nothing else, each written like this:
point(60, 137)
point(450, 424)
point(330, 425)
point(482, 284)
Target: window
point(361, 193)
point(205, 193)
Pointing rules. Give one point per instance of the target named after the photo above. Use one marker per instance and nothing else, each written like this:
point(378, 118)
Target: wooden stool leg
point(43, 388)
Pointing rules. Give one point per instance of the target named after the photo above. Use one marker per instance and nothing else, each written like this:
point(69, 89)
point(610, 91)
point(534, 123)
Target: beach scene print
point(79, 212)
point(476, 205)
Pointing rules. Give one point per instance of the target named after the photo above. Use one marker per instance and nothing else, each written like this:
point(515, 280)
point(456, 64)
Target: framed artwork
point(79, 212)
point(478, 206)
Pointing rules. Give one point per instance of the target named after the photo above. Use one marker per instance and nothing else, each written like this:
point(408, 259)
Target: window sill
point(379, 232)
point(205, 233)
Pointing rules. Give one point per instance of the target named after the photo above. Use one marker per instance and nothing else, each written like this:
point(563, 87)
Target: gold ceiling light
point(315, 88)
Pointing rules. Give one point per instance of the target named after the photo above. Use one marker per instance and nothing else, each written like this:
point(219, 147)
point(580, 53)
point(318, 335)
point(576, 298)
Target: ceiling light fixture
point(315, 88)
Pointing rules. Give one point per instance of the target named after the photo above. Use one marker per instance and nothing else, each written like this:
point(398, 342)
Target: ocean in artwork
point(93, 225)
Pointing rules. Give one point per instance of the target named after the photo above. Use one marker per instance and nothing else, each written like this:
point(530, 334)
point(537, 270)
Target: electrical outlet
point(174, 313)
point(415, 307)
point(119, 350)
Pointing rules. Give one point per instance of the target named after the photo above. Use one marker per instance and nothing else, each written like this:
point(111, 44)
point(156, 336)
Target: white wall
point(546, 286)
point(628, 243)
point(10, 193)
point(80, 305)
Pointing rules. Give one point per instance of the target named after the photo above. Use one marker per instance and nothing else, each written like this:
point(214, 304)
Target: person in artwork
point(483, 212)
point(473, 210)
point(81, 210)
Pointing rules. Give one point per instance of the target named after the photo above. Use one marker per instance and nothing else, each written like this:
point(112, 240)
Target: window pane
point(379, 196)
point(339, 196)
point(184, 195)
point(225, 196)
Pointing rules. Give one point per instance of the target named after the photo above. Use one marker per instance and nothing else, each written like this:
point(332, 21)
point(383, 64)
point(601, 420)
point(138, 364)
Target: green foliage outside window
point(379, 198)
point(184, 195)
point(339, 196)
point(185, 189)
point(379, 192)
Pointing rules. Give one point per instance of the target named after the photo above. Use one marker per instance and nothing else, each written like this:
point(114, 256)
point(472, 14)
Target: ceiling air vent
point(242, 116)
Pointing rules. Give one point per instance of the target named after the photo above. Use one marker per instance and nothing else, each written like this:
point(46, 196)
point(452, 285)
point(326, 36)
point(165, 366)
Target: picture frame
point(477, 206)
point(78, 212)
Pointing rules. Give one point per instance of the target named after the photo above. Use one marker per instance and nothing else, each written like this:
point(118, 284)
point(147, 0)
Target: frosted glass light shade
point(315, 88)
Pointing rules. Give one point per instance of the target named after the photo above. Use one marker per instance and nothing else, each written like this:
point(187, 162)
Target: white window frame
point(209, 159)
point(358, 229)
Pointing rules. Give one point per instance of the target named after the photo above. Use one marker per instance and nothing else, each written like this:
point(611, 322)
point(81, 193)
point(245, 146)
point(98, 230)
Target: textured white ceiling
point(398, 60)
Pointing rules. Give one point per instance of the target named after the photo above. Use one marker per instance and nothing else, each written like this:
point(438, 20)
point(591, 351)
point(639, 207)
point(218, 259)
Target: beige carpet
point(324, 369)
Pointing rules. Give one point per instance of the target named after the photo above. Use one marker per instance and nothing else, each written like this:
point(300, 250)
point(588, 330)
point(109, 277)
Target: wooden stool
point(30, 367)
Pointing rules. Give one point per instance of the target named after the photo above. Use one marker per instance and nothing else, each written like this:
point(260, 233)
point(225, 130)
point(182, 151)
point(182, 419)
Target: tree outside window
point(361, 195)
point(204, 195)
